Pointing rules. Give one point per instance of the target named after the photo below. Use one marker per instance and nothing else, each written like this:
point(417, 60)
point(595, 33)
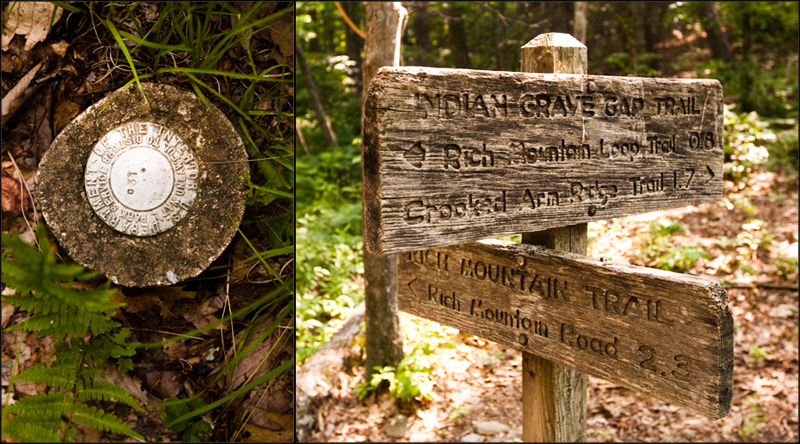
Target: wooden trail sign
point(454, 155)
point(665, 334)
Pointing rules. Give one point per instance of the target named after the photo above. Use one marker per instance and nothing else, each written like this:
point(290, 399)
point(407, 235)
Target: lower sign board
point(454, 156)
point(665, 334)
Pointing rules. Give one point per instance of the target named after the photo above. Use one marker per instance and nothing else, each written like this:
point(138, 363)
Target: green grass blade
point(243, 354)
point(231, 104)
point(65, 6)
point(141, 41)
point(240, 312)
point(124, 49)
point(215, 72)
point(274, 191)
point(263, 262)
point(280, 369)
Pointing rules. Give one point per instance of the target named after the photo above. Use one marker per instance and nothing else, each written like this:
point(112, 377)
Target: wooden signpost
point(666, 334)
point(454, 156)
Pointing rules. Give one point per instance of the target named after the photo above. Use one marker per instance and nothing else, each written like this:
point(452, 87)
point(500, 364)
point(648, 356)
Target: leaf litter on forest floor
point(32, 20)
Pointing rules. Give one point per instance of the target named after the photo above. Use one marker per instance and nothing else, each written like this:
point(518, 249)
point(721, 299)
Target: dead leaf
point(15, 200)
point(8, 311)
point(60, 48)
point(175, 350)
point(65, 112)
point(282, 33)
point(264, 9)
point(131, 384)
point(150, 11)
point(271, 420)
point(257, 434)
point(33, 20)
point(7, 64)
point(136, 304)
point(173, 294)
point(15, 98)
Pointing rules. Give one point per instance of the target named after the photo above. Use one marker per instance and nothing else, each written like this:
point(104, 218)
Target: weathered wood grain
point(665, 334)
point(454, 156)
point(554, 396)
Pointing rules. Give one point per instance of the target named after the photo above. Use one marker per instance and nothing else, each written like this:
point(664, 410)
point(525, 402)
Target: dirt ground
point(479, 381)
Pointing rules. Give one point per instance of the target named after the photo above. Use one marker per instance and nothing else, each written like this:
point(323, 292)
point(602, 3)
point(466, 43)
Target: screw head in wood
point(592, 87)
point(523, 339)
point(592, 210)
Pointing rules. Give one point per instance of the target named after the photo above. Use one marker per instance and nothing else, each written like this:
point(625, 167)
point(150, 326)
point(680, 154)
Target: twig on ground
point(769, 285)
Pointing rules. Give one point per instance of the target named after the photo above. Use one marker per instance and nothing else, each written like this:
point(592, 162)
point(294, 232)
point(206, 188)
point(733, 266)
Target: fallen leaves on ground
point(32, 20)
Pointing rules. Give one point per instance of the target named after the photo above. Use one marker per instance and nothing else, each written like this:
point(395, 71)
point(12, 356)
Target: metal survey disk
point(141, 191)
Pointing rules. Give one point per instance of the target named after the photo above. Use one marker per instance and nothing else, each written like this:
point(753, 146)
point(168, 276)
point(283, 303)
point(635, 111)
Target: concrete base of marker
point(203, 231)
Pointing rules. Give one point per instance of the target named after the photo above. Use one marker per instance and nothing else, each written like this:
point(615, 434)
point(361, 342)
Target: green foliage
point(458, 411)
point(66, 313)
point(191, 428)
point(658, 250)
point(413, 377)
point(680, 257)
point(752, 236)
point(746, 137)
point(786, 266)
point(98, 419)
point(758, 353)
point(749, 430)
point(329, 242)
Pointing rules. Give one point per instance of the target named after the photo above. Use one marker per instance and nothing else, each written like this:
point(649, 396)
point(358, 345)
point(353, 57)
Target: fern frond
point(38, 276)
point(69, 434)
point(93, 390)
point(44, 406)
point(61, 377)
point(96, 418)
point(23, 431)
point(124, 365)
point(68, 322)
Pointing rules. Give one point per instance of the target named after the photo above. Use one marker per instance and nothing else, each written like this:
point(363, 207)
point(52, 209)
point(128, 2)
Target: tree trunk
point(459, 52)
point(384, 339)
point(559, 14)
point(329, 18)
point(717, 39)
point(500, 29)
point(748, 60)
point(653, 29)
point(313, 44)
point(319, 110)
point(353, 42)
point(421, 31)
point(554, 396)
point(580, 22)
point(633, 18)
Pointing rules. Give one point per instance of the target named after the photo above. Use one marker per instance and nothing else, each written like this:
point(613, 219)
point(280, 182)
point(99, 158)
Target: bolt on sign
point(665, 334)
point(454, 155)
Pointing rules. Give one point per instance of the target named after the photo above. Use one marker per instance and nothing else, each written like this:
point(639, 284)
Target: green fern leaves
point(57, 308)
point(96, 418)
point(58, 377)
point(104, 391)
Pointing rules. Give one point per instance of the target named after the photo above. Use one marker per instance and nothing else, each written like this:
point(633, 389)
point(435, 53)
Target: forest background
point(748, 240)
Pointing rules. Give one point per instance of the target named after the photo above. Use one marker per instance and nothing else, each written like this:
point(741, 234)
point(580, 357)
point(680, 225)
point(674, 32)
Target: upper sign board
point(453, 155)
